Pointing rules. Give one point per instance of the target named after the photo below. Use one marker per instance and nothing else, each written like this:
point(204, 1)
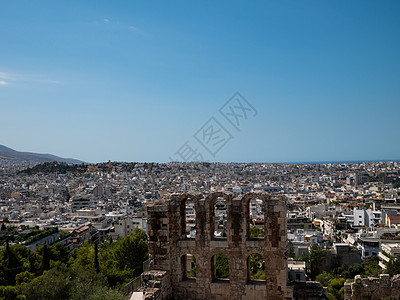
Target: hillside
point(12, 155)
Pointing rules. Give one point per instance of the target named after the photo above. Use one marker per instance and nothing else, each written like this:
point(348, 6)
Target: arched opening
point(189, 267)
point(188, 220)
point(220, 218)
point(220, 267)
point(256, 218)
point(256, 268)
point(190, 213)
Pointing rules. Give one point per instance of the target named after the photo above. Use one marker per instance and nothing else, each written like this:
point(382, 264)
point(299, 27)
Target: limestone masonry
point(170, 248)
point(371, 288)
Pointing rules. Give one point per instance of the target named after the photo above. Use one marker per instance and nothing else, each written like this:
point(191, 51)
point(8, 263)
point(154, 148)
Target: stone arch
point(180, 202)
point(188, 266)
point(219, 260)
point(256, 218)
point(169, 253)
point(210, 205)
point(256, 268)
point(245, 201)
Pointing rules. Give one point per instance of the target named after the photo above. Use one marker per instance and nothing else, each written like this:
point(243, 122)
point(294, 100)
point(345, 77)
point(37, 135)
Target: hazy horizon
point(258, 162)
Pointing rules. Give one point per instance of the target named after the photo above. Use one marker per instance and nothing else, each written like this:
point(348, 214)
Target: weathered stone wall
point(158, 285)
point(347, 255)
point(372, 288)
point(168, 247)
point(309, 290)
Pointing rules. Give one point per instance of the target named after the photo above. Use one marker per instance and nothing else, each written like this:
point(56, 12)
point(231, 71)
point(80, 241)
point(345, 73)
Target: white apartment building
point(366, 217)
point(388, 252)
point(127, 225)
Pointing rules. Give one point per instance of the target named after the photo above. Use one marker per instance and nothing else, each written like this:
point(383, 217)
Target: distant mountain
point(5, 149)
point(7, 153)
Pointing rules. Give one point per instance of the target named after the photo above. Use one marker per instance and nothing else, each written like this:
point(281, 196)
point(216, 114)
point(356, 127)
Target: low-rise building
point(297, 270)
point(389, 252)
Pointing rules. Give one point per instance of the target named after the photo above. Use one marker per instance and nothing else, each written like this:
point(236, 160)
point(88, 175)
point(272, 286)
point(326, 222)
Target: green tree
point(57, 252)
point(193, 269)
point(10, 265)
point(256, 232)
point(371, 266)
point(109, 266)
point(104, 293)
point(221, 266)
point(335, 279)
point(393, 267)
point(85, 283)
point(53, 272)
point(9, 293)
point(324, 278)
point(83, 257)
point(132, 251)
point(96, 258)
point(336, 287)
point(53, 284)
point(313, 261)
point(257, 267)
point(75, 283)
point(45, 258)
point(24, 277)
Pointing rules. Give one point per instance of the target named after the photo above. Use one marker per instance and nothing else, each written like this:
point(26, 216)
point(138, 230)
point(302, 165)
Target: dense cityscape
point(349, 211)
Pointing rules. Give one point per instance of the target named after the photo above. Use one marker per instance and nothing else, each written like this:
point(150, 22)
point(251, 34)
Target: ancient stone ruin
point(371, 288)
point(172, 250)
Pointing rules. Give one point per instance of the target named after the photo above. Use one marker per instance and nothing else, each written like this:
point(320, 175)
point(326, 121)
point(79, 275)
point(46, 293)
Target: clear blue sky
point(132, 81)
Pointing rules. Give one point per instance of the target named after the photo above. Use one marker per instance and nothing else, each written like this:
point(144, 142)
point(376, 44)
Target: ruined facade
point(170, 248)
point(371, 288)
